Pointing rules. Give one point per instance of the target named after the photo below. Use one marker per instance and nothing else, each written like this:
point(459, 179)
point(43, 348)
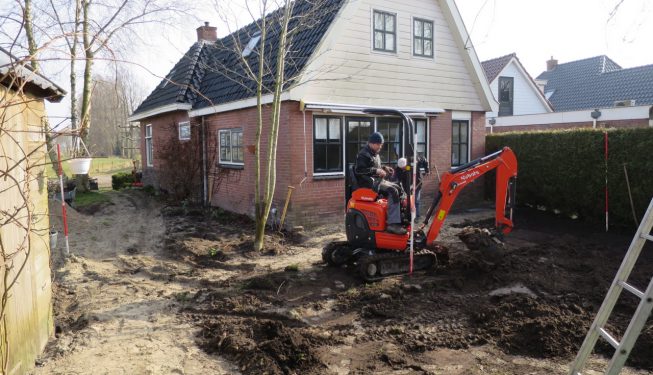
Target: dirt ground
point(152, 289)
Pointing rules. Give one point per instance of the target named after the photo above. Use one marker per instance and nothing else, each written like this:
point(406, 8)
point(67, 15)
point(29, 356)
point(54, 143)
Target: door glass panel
point(421, 131)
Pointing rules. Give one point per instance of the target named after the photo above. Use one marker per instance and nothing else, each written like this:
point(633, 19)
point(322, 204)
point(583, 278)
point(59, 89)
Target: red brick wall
point(440, 158)
point(164, 129)
point(638, 123)
point(232, 187)
point(316, 199)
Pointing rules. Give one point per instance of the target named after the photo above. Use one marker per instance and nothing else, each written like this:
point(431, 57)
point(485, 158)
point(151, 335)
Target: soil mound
point(523, 325)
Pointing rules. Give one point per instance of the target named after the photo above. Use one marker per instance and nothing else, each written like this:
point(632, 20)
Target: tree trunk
point(85, 113)
point(29, 32)
point(259, 238)
point(271, 175)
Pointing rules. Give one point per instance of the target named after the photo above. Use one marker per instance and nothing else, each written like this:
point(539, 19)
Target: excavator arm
point(452, 183)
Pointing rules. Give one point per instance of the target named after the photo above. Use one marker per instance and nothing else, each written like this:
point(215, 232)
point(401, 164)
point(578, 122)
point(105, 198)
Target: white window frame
point(230, 131)
point(149, 147)
point(184, 123)
point(396, 32)
point(412, 38)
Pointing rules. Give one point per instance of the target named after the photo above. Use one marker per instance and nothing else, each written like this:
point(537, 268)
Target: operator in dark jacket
point(369, 174)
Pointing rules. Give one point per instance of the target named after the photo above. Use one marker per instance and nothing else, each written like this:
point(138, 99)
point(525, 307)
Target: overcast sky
point(568, 30)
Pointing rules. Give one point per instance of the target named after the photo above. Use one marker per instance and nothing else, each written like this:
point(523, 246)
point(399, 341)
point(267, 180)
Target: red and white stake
point(606, 179)
point(63, 201)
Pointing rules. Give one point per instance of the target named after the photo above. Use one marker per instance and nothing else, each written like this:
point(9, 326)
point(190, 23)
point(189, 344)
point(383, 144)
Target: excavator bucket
point(484, 243)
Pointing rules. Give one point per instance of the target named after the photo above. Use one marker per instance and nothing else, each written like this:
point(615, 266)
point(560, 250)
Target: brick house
point(415, 56)
point(596, 86)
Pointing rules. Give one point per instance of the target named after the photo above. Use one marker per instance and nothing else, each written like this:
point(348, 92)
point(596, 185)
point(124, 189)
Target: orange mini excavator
point(377, 253)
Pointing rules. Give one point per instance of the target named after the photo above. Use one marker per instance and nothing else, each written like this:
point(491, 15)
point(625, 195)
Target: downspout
point(302, 107)
point(204, 174)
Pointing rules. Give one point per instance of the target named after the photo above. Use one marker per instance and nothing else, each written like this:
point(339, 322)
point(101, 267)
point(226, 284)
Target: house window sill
point(232, 166)
point(328, 177)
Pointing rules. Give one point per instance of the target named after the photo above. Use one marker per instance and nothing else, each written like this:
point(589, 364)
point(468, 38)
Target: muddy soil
point(527, 311)
point(189, 280)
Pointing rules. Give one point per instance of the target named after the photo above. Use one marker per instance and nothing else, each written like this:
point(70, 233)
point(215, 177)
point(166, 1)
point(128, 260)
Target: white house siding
point(347, 70)
point(526, 100)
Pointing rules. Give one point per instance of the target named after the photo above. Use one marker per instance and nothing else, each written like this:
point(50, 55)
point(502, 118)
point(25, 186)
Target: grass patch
point(108, 165)
point(91, 198)
point(292, 268)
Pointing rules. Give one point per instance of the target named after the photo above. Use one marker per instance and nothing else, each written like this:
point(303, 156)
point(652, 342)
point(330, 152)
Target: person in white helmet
point(403, 176)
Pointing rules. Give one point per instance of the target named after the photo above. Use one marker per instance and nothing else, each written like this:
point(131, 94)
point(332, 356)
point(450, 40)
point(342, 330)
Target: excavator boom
point(452, 183)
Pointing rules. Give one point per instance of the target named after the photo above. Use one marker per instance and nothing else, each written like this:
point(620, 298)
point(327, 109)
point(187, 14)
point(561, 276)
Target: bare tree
point(266, 68)
point(110, 108)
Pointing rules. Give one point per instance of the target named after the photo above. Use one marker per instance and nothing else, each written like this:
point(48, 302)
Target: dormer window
point(252, 44)
point(385, 34)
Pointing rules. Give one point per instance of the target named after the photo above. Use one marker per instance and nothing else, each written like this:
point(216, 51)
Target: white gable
point(527, 99)
point(345, 68)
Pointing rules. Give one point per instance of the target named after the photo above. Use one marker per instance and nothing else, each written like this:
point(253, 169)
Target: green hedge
point(121, 180)
point(565, 171)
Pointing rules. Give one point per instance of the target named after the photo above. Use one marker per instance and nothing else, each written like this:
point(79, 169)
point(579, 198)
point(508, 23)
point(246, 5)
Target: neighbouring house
point(593, 92)
point(27, 320)
point(414, 55)
point(514, 89)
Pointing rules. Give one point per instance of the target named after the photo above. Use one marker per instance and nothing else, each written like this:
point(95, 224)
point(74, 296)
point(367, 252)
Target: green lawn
point(110, 165)
point(91, 197)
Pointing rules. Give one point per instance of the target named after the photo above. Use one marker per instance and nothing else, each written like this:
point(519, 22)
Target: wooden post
point(285, 206)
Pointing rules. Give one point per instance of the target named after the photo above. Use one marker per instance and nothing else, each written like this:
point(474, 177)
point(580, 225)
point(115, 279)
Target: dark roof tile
point(213, 73)
point(493, 67)
point(597, 82)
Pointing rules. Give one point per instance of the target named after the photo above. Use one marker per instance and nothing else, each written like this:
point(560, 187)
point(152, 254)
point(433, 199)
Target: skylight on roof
point(251, 45)
point(167, 79)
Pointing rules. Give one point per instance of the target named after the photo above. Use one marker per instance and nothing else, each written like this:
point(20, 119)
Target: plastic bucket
point(53, 239)
point(80, 165)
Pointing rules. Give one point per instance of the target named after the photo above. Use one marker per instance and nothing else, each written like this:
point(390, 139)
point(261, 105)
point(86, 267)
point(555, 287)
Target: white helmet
point(402, 162)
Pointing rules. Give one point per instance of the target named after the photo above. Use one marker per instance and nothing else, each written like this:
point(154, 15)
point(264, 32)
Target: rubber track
point(402, 258)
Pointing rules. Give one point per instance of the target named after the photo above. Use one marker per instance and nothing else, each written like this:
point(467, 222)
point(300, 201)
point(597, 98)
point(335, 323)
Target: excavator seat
point(361, 194)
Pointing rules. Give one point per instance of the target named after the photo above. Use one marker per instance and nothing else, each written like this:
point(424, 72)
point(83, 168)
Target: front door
point(358, 130)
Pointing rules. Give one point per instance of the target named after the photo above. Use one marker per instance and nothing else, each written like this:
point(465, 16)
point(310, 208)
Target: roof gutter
point(238, 104)
point(359, 109)
point(160, 110)
point(10, 64)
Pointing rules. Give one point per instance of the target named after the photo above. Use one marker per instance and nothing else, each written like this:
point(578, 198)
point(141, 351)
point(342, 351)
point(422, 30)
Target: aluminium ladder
point(623, 347)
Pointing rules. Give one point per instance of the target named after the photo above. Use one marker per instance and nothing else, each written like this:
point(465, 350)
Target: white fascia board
point(358, 108)
point(239, 104)
point(160, 110)
point(531, 82)
point(469, 55)
point(7, 66)
point(607, 114)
